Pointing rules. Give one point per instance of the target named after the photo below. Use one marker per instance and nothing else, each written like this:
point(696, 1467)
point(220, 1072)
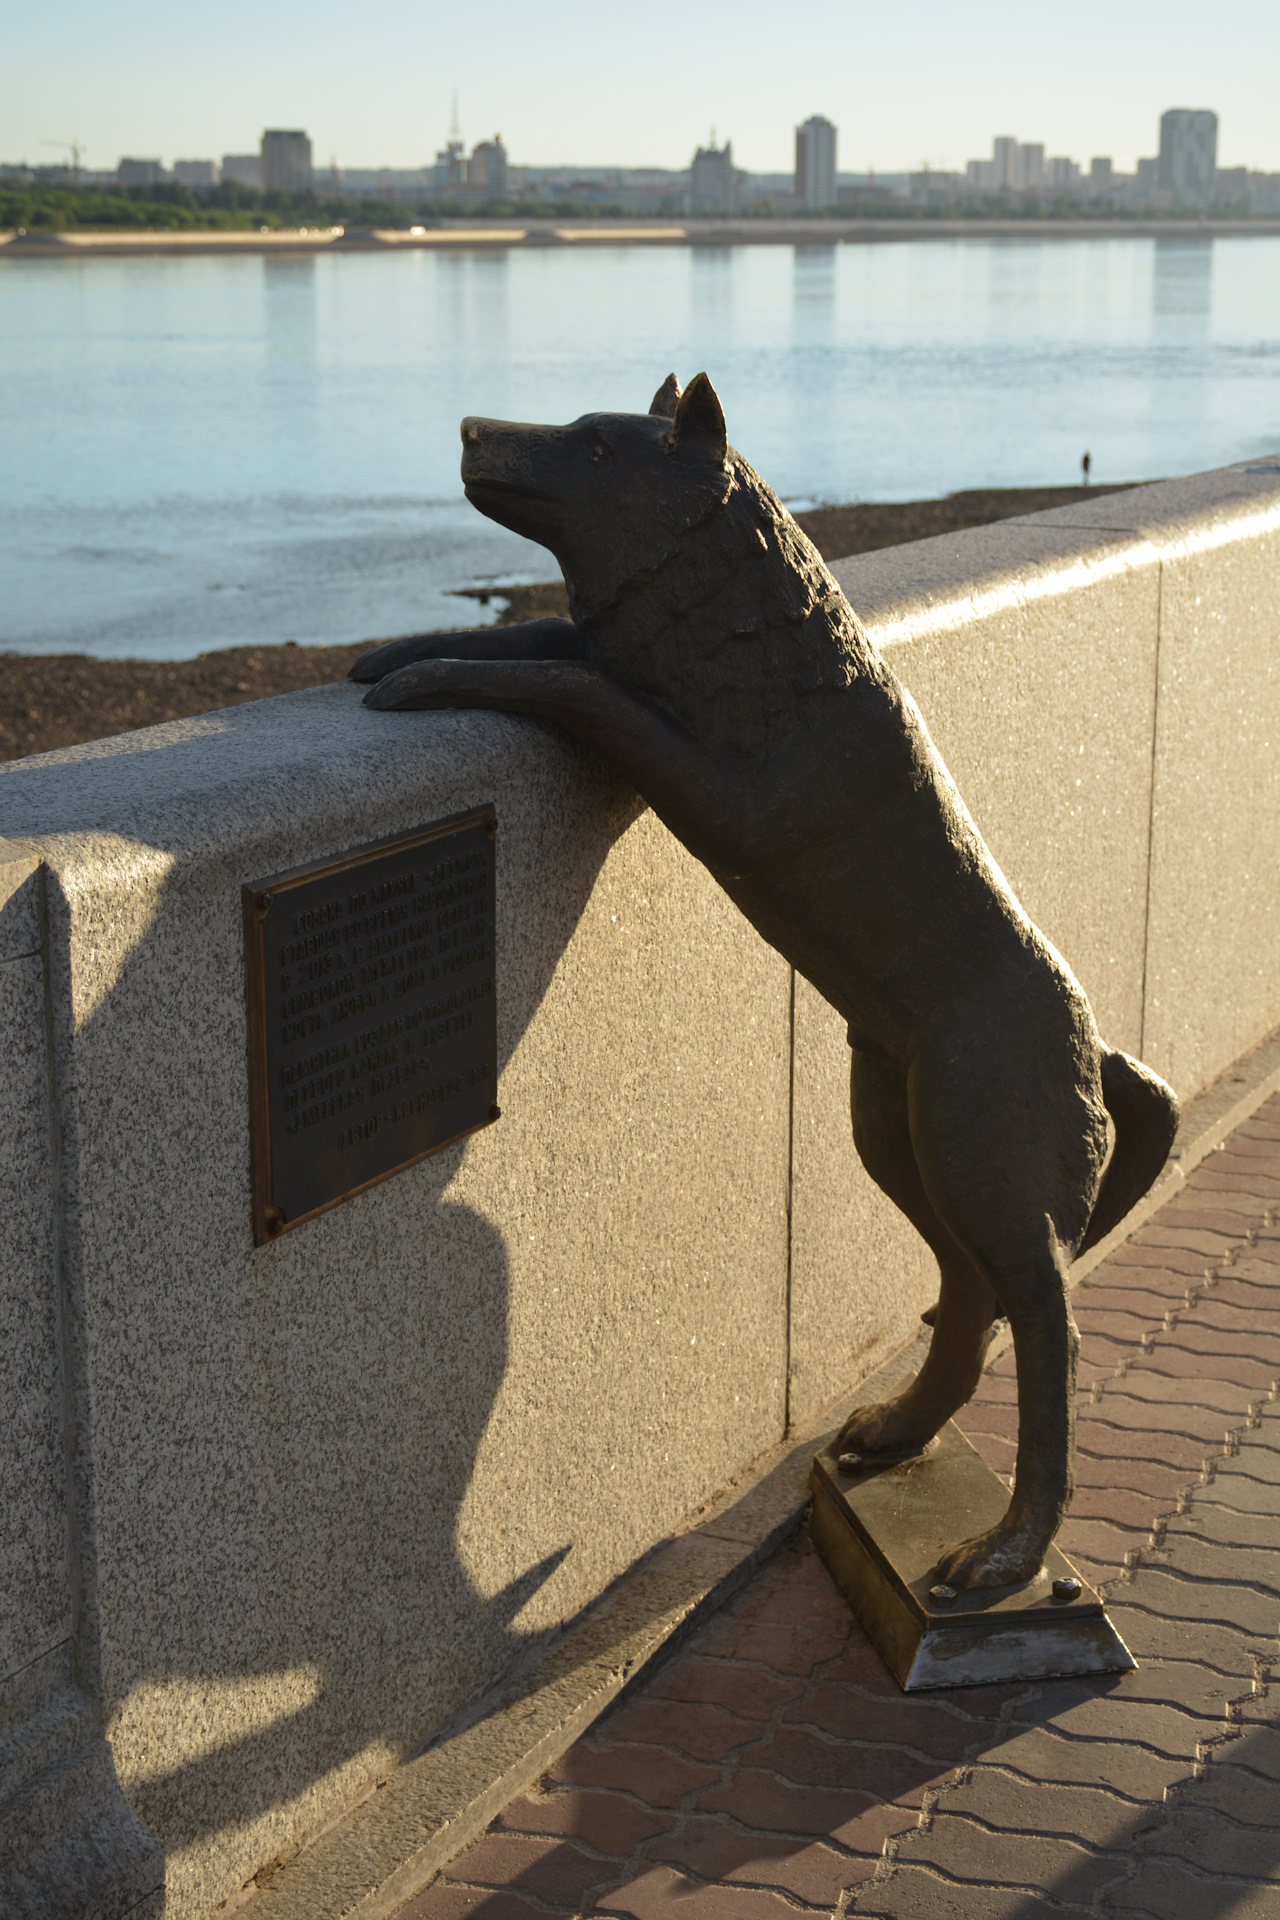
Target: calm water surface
point(206, 452)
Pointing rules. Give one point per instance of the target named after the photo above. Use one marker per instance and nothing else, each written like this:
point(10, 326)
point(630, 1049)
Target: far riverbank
point(84, 243)
point(61, 700)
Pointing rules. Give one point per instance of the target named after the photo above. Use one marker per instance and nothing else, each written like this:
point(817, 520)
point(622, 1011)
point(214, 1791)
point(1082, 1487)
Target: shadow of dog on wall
point(713, 661)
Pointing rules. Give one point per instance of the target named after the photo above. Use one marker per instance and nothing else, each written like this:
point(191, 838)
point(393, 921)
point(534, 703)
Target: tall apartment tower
point(713, 183)
point(816, 163)
point(286, 161)
point(1188, 153)
point(487, 169)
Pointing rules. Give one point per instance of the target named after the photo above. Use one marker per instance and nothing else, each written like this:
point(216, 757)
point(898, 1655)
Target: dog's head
point(611, 493)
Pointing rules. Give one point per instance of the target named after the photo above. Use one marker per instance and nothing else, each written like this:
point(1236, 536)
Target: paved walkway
point(773, 1768)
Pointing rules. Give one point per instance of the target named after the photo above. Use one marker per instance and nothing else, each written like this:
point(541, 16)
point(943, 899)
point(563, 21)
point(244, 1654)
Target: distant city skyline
point(568, 84)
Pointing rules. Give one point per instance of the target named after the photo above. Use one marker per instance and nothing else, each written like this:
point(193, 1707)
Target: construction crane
point(75, 149)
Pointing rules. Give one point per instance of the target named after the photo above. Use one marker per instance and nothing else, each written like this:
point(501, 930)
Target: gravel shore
point(59, 700)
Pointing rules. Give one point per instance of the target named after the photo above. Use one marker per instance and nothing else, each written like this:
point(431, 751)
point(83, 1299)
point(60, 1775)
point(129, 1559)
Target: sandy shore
point(84, 243)
point(58, 700)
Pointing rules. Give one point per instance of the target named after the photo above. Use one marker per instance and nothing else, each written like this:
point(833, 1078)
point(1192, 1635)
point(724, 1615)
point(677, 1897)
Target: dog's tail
point(1145, 1111)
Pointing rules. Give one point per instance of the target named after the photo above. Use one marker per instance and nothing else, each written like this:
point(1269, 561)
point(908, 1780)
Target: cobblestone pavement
point(773, 1767)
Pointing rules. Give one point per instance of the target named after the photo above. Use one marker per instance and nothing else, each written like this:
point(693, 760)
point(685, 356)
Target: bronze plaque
point(372, 1025)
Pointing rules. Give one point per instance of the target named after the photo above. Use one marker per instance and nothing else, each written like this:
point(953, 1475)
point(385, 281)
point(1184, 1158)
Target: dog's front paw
point(889, 1426)
point(1001, 1557)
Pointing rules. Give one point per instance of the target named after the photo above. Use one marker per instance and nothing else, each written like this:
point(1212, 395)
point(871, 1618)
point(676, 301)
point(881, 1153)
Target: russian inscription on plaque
point(371, 1014)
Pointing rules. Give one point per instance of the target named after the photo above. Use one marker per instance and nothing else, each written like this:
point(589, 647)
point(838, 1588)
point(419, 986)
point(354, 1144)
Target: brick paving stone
point(444, 1900)
point(1257, 1375)
point(1160, 1483)
point(1209, 1522)
point(658, 1778)
point(1110, 1321)
point(1151, 1636)
point(963, 1850)
point(659, 1893)
point(1217, 1845)
point(1252, 1296)
point(1214, 1342)
point(1165, 1268)
point(1256, 1753)
point(1191, 1210)
point(858, 1664)
point(785, 1650)
point(1249, 1182)
point(1182, 1452)
point(1002, 1802)
point(918, 1722)
point(1252, 1268)
point(1198, 1690)
point(1142, 1384)
point(1255, 1567)
point(611, 1824)
point(854, 1817)
point(1216, 1309)
point(1120, 1505)
point(915, 1893)
point(823, 1611)
point(1245, 1798)
point(808, 1760)
point(1039, 1753)
point(1151, 1430)
point(750, 1692)
point(546, 1868)
point(714, 1849)
point(1133, 1414)
point(1231, 1486)
point(692, 1728)
point(1085, 1711)
point(1163, 1890)
point(1103, 1542)
point(1161, 1235)
point(1166, 1592)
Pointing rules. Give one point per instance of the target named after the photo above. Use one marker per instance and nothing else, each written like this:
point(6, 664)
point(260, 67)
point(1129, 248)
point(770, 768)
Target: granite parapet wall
point(274, 1515)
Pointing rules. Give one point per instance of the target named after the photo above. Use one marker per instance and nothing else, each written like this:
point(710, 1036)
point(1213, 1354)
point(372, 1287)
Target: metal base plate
point(881, 1532)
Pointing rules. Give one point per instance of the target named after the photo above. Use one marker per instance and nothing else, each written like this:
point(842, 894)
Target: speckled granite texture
point(323, 1493)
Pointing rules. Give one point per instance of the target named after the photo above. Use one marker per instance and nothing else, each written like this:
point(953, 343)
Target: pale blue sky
point(571, 81)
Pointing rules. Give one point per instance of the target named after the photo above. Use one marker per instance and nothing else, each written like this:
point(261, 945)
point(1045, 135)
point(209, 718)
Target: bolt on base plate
point(881, 1527)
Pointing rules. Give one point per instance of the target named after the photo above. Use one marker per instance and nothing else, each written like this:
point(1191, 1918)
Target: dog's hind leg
point(1046, 1343)
point(966, 1306)
point(1009, 1151)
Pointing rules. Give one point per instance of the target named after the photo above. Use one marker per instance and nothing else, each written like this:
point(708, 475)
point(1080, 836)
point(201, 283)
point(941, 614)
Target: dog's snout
point(470, 432)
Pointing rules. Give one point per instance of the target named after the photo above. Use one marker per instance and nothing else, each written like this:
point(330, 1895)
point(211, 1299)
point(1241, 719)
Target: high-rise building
point(1100, 173)
point(816, 163)
point(140, 173)
point(713, 186)
point(450, 170)
point(196, 173)
point(1004, 154)
point(487, 169)
point(1028, 167)
point(1188, 153)
point(286, 161)
point(245, 169)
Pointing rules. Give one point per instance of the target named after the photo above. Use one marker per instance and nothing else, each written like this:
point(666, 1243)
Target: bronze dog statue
point(715, 663)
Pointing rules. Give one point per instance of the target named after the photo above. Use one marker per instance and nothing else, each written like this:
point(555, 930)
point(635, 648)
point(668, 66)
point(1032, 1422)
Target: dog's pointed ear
point(698, 429)
point(664, 400)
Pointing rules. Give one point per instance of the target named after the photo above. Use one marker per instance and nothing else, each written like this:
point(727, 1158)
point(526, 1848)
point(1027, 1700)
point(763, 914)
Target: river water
point(205, 452)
